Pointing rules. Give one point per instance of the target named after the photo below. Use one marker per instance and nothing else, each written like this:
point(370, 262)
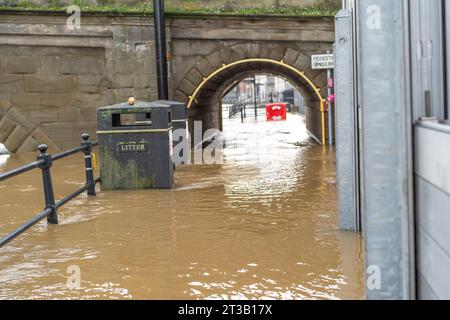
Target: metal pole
point(90, 180)
point(161, 49)
point(388, 179)
point(45, 163)
point(346, 124)
point(330, 107)
point(254, 96)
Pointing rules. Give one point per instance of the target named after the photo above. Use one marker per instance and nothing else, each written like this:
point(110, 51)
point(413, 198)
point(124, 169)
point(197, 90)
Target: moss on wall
point(241, 7)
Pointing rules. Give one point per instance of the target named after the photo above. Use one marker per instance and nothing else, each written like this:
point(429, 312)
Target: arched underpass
point(204, 104)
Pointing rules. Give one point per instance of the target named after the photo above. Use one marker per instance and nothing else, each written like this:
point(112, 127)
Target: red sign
point(331, 83)
point(331, 98)
point(276, 111)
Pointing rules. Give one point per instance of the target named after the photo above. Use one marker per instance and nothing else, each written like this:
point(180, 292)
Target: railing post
point(87, 150)
point(45, 163)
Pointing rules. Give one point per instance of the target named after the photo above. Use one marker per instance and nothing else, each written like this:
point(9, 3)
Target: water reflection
point(3, 159)
point(262, 225)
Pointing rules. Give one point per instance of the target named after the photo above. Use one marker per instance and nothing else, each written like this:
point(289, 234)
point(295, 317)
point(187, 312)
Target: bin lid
point(141, 114)
point(125, 105)
point(178, 108)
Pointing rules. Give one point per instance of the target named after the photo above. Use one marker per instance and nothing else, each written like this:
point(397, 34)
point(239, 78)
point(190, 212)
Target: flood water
point(263, 225)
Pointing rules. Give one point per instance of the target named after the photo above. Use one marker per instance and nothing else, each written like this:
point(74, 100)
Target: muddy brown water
point(262, 225)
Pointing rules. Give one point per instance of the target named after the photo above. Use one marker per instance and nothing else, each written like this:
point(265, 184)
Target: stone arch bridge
point(52, 78)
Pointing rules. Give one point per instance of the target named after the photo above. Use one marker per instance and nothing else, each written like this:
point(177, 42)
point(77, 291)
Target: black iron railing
point(44, 162)
point(238, 108)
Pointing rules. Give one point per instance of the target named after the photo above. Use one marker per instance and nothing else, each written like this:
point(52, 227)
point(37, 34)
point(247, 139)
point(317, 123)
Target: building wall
point(431, 151)
point(432, 208)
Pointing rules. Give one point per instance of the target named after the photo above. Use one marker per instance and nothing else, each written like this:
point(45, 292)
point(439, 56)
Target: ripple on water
point(263, 225)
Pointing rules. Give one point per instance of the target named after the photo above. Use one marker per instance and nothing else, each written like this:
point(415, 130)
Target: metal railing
point(237, 108)
point(44, 162)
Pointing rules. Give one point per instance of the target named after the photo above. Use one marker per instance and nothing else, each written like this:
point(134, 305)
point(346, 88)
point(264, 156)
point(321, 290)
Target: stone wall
point(56, 78)
point(201, 47)
point(52, 79)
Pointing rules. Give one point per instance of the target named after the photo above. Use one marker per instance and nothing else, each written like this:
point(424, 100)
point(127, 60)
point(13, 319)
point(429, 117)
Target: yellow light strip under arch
point(301, 74)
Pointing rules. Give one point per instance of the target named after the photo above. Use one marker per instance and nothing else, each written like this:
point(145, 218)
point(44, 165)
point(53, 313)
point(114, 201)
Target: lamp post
point(161, 49)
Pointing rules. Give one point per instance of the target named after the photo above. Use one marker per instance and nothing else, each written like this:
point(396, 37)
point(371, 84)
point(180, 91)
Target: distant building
point(269, 88)
point(294, 98)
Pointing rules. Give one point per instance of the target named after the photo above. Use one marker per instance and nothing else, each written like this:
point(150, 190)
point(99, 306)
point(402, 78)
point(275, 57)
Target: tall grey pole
point(161, 50)
point(388, 207)
point(346, 124)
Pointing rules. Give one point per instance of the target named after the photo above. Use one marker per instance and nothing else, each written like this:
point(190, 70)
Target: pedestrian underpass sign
point(322, 61)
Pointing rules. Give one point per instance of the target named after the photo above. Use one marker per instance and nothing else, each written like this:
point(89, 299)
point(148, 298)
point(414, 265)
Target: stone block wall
point(18, 133)
point(56, 88)
point(201, 47)
point(56, 78)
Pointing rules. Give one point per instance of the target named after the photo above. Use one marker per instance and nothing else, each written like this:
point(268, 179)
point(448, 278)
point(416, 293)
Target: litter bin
point(135, 146)
point(180, 128)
